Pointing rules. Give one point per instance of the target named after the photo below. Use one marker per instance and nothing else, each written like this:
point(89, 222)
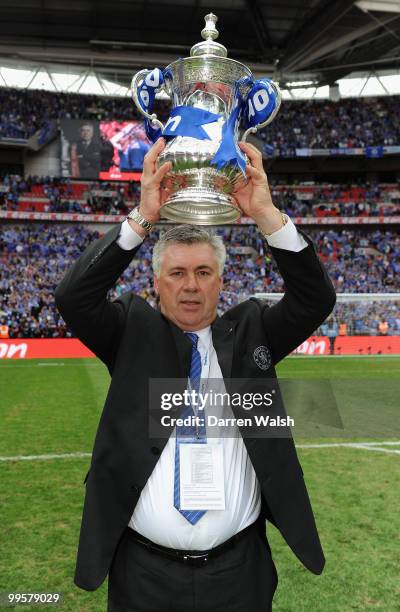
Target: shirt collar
point(204, 336)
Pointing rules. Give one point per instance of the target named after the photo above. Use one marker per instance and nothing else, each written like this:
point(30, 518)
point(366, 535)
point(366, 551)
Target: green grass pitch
point(53, 407)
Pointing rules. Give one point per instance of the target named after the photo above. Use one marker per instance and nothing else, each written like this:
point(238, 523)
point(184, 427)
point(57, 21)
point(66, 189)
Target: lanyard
point(205, 373)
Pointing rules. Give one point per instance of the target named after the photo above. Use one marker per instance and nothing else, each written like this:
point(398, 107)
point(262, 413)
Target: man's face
point(86, 132)
point(188, 285)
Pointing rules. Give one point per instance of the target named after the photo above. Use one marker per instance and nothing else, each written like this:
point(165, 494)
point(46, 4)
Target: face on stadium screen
point(86, 132)
point(188, 285)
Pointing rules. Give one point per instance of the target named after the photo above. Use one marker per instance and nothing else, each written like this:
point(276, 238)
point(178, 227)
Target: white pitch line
point(368, 446)
point(44, 457)
point(382, 450)
point(51, 363)
point(363, 445)
point(331, 445)
point(339, 444)
point(392, 443)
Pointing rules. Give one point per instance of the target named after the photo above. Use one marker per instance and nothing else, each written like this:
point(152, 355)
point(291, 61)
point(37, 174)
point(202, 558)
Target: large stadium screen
point(125, 144)
point(80, 149)
point(108, 150)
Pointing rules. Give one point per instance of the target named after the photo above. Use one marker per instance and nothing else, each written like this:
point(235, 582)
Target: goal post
point(360, 324)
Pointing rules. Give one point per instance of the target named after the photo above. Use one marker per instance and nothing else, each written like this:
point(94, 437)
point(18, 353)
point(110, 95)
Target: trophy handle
point(253, 130)
point(138, 77)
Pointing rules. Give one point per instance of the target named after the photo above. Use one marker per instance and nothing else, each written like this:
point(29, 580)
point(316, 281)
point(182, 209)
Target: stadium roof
point(80, 80)
point(290, 40)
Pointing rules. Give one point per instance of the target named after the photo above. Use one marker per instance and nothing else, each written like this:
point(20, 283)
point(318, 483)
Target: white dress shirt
point(155, 516)
point(287, 237)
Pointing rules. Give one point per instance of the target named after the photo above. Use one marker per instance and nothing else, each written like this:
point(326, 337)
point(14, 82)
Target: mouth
point(190, 303)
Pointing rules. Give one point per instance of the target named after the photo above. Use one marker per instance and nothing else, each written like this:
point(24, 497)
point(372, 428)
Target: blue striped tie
point(188, 434)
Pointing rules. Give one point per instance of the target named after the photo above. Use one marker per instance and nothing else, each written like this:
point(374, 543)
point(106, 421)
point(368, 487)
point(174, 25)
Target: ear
point(155, 282)
point(221, 283)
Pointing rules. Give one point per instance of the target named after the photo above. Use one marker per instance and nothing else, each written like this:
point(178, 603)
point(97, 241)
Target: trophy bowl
point(207, 91)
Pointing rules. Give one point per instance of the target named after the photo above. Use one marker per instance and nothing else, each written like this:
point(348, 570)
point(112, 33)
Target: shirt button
point(155, 450)
point(135, 488)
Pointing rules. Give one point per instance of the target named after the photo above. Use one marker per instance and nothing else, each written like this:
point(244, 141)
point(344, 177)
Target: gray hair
point(188, 234)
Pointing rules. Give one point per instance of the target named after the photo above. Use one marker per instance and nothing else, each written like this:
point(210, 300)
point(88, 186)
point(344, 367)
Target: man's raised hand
point(152, 194)
point(254, 197)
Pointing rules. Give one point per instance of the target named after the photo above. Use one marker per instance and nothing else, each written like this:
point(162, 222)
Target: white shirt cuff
point(128, 239)
point(287, 238)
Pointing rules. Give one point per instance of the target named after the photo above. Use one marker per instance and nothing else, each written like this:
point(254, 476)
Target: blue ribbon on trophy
point(188, 121)
point(228, 151)
point(146, 96)
point(255, 108)
point(260, 103)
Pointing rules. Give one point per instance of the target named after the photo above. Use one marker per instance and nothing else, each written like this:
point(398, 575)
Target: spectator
point(383, 328)
point(33, 258)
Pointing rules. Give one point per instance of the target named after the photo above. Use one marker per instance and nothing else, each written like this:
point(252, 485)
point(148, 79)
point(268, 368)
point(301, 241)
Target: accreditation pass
point(202, 477)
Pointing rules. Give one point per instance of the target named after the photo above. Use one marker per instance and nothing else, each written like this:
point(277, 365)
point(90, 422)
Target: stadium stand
point(34, 257)
point(359, 258)
point(48, 194)
point(306, 123)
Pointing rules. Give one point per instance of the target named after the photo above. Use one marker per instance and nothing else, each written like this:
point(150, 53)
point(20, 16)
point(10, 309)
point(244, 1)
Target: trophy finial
point(210, 34)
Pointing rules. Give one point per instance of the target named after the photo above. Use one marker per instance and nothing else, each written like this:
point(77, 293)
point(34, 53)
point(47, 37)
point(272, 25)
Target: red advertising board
point(65, 348)
point(25, 348)
point(351, 345)
point(104, 218)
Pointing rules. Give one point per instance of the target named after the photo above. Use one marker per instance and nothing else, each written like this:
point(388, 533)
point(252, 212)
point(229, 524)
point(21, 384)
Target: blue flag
point(146, 96)
point(374, 151)
point(188, 121)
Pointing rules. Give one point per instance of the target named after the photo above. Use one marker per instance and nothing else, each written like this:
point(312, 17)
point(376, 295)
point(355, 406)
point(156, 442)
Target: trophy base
point(197, 207)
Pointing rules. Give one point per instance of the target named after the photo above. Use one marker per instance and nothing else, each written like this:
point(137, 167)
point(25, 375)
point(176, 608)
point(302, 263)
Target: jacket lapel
point(183, 348)
point(223, 336)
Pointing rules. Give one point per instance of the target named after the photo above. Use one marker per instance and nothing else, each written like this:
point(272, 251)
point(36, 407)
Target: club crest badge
point(262, 357)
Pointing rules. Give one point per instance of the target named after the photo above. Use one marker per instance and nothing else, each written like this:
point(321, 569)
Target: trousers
point(241, 579)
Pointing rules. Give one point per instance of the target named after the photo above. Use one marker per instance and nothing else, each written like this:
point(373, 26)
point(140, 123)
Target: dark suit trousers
point(241, 579)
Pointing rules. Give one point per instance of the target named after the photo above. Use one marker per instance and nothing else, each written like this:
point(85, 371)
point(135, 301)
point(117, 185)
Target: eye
point(176, 273)
point(204, 273)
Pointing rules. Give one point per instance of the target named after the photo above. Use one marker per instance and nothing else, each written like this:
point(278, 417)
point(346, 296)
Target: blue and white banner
point(228, 152)
point(146, 95)
point(370, 152)
point(254, 109)
point(260, 103)
point(374, 151)
point(188, 121)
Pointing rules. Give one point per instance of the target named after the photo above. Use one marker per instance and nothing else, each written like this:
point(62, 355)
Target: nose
point(191, 283)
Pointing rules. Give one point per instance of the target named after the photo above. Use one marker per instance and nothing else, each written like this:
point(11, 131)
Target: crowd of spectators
point(338, 200)
point(369, 200)
point(34, 257)
point(299, 124)
point(365, 318)
point(322, 124)
point(23, 112)
point(98, 197)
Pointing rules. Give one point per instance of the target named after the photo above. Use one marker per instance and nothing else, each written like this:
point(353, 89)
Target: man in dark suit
point(85, 154)
point(160, 555)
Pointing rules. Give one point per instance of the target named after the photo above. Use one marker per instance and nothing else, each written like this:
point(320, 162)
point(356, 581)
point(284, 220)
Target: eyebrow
point(202, 267)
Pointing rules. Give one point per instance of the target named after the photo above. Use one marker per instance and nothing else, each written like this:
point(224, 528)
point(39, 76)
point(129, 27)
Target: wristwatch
point(284, 221)
point(136, 216)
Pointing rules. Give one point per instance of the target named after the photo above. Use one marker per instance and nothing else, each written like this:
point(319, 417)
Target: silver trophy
point(201, 189)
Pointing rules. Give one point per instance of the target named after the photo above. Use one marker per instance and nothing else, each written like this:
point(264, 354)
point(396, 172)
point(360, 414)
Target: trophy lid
point(207, 62)
point(208, 46)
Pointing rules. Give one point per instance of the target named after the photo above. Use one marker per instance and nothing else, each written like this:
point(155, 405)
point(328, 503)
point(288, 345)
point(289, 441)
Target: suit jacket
point(88, 158)
point(136, 342)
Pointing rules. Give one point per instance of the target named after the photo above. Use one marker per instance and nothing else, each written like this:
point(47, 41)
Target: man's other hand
point(152, 194)
point(254, 196)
